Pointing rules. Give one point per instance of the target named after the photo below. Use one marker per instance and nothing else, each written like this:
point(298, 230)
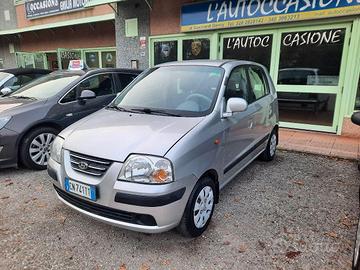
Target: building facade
point(311, 49)
point(47, 34)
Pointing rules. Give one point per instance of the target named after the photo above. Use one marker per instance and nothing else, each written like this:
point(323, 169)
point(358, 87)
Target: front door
point(240, 132)
point(69, 110)
point(65, 55)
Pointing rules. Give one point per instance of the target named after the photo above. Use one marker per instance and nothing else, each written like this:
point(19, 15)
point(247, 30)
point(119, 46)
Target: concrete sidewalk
point(319, 143)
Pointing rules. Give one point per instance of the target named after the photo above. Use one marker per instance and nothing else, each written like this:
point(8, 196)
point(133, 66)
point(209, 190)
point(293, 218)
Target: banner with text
point(41, 8)
point(218, 14)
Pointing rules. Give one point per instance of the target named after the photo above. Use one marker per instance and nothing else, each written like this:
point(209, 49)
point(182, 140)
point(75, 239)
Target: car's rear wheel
point(270, 150)
point(199, 209)
point(35, 147)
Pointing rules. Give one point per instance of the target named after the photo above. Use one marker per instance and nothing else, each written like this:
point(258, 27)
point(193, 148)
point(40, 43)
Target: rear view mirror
point(235, 105)
point(86, 94)
point(5, 91)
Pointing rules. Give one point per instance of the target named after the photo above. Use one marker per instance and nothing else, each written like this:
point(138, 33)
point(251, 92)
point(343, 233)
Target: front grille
point(89, 165)
point(115, 214)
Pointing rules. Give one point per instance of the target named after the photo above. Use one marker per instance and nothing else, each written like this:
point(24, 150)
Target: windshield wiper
point(121, 109)
point(152, 111)
point(23, 97)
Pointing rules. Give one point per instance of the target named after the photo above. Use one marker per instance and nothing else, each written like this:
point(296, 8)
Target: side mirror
point(5, 91)
point(355, 118)
point(235, 105)
point(85, 95)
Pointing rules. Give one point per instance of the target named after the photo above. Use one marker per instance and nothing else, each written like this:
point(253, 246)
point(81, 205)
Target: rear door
point(124, 79)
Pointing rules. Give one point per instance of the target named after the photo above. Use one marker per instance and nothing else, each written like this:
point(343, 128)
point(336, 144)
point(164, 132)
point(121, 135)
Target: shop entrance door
point(307, 65)
point(65, 55)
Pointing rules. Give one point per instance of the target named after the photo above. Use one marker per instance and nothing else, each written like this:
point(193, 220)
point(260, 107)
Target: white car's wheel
point(199, 209)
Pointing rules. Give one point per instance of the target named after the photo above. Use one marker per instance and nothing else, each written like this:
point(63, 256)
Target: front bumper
point(8, 149)
point(134, 206)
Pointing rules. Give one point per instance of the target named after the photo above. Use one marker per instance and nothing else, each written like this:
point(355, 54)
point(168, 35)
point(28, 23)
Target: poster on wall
point(196, 49)
point(217, 14)
point(251, 48)
point(41, 8)
point(165, 51)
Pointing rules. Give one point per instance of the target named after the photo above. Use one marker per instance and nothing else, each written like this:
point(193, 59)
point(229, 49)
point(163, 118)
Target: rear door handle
point(69, 115)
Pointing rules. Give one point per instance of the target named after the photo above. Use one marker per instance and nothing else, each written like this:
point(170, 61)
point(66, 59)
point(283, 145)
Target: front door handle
point(69, 115)
point(250, 124)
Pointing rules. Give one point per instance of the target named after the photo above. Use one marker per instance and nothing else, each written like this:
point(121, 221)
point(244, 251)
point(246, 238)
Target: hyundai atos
point(158, 155)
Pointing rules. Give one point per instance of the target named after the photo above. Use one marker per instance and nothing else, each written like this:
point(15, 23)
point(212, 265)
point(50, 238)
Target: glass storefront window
point(92, 59)
point(250, 48)
point(108, 59)
point(67, 55)
point(196, 49)
point(311, 57)
point(357, 100)
point(307, 108)
point(165, 51)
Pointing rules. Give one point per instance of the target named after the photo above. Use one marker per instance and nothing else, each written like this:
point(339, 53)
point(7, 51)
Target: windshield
point(4, 75)
point(46, 86)
point(180, 90)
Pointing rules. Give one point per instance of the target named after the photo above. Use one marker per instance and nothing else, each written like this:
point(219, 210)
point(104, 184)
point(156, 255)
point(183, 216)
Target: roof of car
point(20, 71)
point(214, 63)
point(97, 70)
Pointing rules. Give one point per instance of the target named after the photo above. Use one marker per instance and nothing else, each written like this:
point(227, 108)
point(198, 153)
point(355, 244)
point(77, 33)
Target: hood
point(114, 135)
point(9, 105)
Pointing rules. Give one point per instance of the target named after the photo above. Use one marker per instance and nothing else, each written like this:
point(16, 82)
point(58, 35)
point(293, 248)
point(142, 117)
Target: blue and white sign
point(235, 13)
point(41, 8)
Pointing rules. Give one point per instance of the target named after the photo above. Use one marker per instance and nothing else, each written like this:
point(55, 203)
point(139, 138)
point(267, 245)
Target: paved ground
point(347, 147)
point(297, 212)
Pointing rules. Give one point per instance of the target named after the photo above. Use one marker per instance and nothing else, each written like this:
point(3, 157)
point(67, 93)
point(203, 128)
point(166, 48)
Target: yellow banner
point(300, 16)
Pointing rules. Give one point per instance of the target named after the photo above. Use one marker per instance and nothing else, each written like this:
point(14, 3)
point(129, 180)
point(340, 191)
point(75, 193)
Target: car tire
point(199, 209)
point(270, 150)
point(35, 147)
point(356, 252)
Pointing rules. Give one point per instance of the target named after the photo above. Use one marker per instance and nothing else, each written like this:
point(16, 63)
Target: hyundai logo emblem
point(83, 165)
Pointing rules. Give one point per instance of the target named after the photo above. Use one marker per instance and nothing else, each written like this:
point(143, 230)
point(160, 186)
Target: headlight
point(4, 120)
point(147, 169)
point(56, 149)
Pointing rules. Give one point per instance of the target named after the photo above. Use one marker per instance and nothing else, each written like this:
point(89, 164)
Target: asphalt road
point(297, 212)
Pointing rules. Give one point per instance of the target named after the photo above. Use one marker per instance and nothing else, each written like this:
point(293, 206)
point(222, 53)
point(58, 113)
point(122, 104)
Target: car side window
point(125, 79)
point(258, 83)
point(238, 85)
point(13, 83)
point(69, 97)
point(101, 85)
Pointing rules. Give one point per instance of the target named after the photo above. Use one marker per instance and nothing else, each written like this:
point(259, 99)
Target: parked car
point(356, 258)
point(12, 79)
point(158, 155)
point(31, 117)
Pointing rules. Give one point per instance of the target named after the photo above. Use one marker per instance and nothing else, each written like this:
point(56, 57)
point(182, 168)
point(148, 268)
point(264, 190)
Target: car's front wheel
point(35, 147)
point(199, 209)
point(270, 150)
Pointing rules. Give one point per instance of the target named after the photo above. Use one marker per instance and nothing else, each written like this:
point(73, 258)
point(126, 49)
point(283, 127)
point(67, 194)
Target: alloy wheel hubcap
point(203, 207)
point(273, 145)
point(40, 148)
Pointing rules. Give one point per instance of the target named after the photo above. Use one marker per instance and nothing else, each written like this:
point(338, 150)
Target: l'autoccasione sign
point(218, 14)
point(41, 8)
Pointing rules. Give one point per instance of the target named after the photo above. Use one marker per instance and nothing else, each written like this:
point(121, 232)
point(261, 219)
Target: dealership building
point(310, 47)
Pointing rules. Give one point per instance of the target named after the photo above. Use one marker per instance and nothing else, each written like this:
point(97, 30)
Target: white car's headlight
point(56, 148)
point(147, 169)
point(4, 120)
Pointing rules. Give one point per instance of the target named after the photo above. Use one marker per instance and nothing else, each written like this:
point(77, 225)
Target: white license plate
point(83, 190)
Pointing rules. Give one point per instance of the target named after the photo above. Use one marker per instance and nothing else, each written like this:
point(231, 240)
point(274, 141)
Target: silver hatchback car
point(158, 155)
